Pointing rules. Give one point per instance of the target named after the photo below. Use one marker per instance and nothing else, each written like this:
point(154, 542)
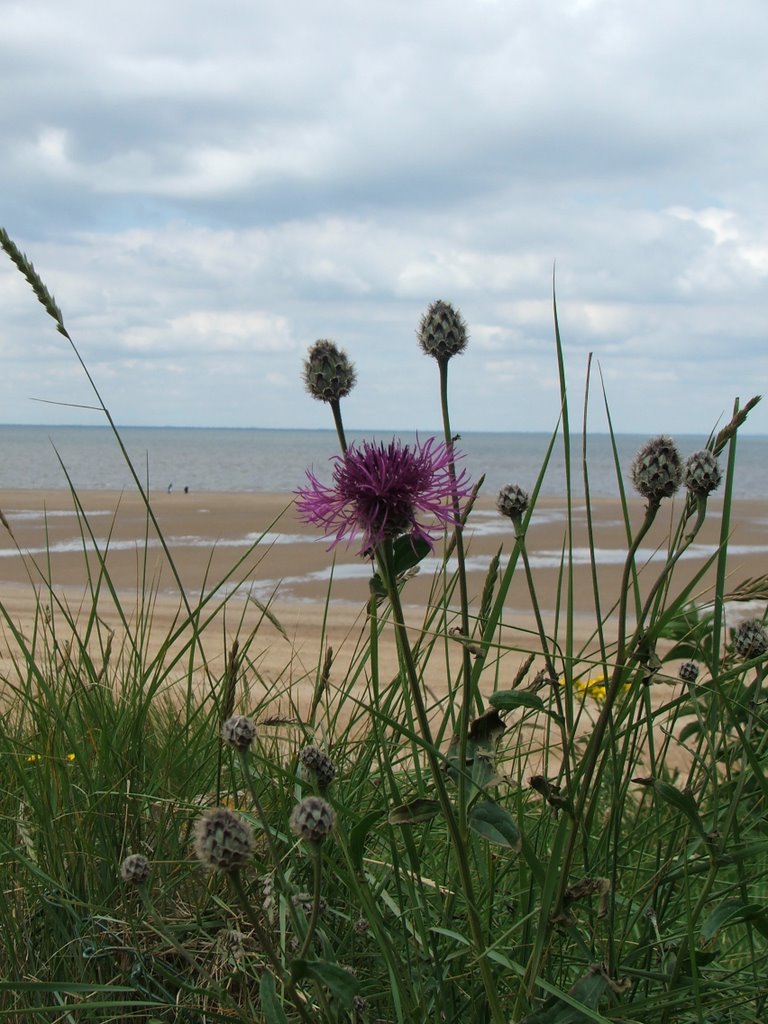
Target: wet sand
point(251, 545)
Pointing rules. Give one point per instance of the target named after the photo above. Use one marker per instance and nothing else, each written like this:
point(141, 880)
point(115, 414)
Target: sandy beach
point(242, 544)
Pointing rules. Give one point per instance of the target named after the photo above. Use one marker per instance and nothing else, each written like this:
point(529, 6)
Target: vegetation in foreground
point(199, 859)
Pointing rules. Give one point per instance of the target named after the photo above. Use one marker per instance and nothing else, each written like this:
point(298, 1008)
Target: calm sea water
point(214, 459)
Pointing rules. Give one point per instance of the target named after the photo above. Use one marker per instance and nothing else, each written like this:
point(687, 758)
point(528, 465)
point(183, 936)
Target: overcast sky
point(209, 187)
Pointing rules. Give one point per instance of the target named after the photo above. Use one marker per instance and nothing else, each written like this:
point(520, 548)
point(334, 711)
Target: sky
point(209, 188)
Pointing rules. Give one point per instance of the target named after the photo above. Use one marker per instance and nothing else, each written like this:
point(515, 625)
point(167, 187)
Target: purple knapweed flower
point(382, 491)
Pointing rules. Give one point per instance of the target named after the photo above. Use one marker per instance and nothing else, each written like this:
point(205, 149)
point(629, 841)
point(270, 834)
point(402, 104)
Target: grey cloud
point(227, 188)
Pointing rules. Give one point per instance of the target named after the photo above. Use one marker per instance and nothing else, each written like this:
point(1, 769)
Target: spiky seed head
point(135, 869)
point(238, 732)
point(512, 501)
point(223, 840)
point(657, 470)
point(689, 671)
point(702, 473)
point(312, 819)
point(318, 762)
point(751, 639)
point(442, 332)
point(328, 372)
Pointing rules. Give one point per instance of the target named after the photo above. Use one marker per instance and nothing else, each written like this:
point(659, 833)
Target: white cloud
point(212, 332)
point(208, 189)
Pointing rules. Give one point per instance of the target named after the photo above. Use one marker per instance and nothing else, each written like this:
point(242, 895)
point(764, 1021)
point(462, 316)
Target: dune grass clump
point(565, 831)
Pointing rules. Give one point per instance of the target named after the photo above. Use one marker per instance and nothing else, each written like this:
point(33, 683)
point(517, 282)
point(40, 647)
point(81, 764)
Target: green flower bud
point(223, 840)
point(442, 332)
point(657, 470)
point(312, 819)
point(328, 373)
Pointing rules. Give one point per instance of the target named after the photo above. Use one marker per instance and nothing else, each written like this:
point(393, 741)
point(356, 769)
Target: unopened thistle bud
point(689, 671)
point(512, 501)
point(135, 869)
point(328, 373)
point(442, 332)
point(223, 840)
point(312, 819)
point(319, 763)
point(751, 640)
point(657, 470)
point(702, 473)
point(238, 732)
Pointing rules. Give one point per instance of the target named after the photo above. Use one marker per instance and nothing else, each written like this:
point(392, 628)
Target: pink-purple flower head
point(384, 491)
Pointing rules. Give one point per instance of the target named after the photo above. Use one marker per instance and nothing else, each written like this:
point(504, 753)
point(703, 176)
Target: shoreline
point(207, 533)
point(289, 613)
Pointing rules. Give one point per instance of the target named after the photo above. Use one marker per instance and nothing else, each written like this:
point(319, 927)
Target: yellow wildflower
point(593, 686)
point(37, 758)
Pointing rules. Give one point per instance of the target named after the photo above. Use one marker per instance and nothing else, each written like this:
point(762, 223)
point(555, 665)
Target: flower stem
point(267, 946)
point(269, 838)
point(517, 522)
point(314, 916)
point(466, 663)
point(336, 410)
point(596, 741)
point(385, 554)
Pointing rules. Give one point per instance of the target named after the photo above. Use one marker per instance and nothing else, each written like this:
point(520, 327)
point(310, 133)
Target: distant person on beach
point(186, 490)
point(170, 488)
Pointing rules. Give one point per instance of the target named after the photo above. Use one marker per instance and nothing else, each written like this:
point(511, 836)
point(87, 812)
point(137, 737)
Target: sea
point(252, 460)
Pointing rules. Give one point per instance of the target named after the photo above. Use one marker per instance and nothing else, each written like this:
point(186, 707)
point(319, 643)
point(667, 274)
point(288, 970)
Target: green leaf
point(727, 913)
point(271, 1006)
point(495, 824)
point(689, 730)
point(508, 700)
point(342, 984)
point(701, 958)
point(578, 1005)
point(487, 729)
point(456, 936)
point(483, 773)
point(359, 834)
point(409, 551)
point(414, 812)
point(479, 766)
point(499, 958)
point(680, 799)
